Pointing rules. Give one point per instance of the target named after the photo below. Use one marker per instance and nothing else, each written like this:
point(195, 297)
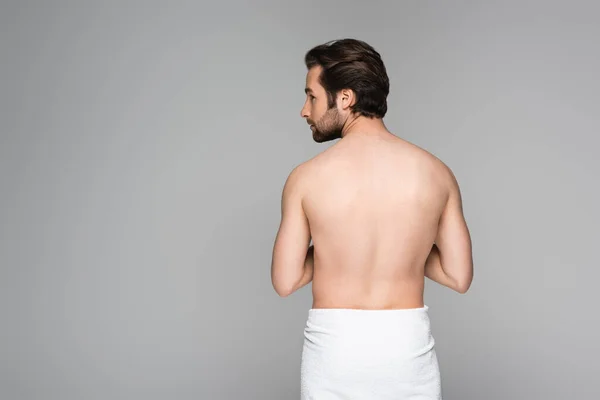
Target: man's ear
point(347, 98)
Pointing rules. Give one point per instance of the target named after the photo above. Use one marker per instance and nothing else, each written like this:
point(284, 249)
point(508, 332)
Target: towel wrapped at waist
point(369, 354)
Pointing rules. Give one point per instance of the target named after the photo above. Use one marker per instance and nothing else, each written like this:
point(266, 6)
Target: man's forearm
point(435, 272)
point(309, 265)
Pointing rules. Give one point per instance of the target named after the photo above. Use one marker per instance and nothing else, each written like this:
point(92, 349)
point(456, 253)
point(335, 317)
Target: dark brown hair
point(352, 64)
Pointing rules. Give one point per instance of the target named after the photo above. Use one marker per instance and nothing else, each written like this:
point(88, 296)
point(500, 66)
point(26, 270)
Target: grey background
point(144, 148)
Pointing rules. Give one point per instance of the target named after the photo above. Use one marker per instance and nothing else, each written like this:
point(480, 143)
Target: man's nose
point(304, 112)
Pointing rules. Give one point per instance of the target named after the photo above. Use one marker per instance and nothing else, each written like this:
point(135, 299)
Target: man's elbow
point(282, 289)
point(464, 285)
point(283, 292)
point(463, 288)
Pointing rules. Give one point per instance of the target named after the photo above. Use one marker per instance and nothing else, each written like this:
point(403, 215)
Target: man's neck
point(361, 125)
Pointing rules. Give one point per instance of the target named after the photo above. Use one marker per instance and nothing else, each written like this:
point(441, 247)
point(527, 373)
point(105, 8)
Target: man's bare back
point(373, 204)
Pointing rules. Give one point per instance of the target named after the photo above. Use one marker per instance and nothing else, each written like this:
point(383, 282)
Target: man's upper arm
point(293, 237)
point(454, 240)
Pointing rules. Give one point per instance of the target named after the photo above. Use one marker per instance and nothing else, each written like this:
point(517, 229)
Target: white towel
point(369, 354)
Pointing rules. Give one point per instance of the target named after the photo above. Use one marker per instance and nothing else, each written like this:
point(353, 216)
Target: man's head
point(345, 78)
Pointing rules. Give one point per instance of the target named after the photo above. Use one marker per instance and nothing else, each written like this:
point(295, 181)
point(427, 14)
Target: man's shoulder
point(305, 174)
point(299, 176)
point(431, 165)
point(425, 157)
point(310, 167)
point(444, 174)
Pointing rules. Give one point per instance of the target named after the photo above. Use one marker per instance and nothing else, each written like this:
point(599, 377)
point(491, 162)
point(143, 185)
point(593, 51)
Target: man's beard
point(329, 127)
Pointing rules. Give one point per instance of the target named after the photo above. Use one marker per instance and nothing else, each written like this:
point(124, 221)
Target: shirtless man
point(382, 215)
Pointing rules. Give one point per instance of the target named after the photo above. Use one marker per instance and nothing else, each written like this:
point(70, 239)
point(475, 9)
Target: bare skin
point(373, 205)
